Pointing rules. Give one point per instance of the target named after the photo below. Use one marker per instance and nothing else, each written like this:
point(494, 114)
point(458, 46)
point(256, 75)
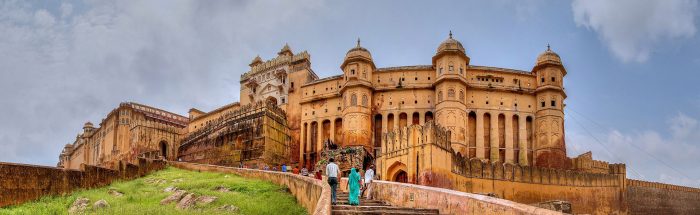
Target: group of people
point(356, 185)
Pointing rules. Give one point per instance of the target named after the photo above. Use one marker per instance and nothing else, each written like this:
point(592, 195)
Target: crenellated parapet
point(475, 168)
point(639, 183)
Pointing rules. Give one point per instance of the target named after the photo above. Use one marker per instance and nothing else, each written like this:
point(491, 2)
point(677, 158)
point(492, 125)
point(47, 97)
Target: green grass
point(140, 197)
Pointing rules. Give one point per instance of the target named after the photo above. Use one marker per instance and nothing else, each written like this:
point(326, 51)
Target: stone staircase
point(373, 207)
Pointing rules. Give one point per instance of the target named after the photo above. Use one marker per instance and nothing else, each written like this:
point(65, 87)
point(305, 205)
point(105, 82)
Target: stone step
point(372, 203)
point(382, 208)
point(379, 212)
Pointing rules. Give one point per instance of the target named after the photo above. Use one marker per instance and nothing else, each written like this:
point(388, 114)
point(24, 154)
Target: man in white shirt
point(369, 176)
point(332, 172)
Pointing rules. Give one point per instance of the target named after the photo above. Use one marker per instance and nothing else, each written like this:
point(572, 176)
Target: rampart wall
point(657, 198)
point(313, 194)
point(20, 183)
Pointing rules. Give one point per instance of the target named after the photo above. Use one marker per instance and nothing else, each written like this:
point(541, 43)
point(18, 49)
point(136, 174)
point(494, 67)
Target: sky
point(632, 83)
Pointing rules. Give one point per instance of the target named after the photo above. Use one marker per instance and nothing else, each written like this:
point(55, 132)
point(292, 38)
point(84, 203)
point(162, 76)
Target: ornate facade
point(494, 114)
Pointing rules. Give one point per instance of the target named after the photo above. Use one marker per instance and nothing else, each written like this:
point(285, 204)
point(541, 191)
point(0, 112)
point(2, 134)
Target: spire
point(548, 47)
point(450, 34)
point(358, 41)
point(285, 50)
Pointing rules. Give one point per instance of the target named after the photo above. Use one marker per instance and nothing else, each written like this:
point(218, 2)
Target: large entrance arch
point(398, 172)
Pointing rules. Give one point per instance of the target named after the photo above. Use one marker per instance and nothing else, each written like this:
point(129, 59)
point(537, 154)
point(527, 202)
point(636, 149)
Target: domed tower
point(87, 128)
point(549, 146)
point(357, 97)
point(450, 63)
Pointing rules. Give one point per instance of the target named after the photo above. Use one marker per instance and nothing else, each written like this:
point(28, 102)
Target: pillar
point(494, 137)
point(523, 140)
point(319, 136)
point(480, 143)
point(509, 139)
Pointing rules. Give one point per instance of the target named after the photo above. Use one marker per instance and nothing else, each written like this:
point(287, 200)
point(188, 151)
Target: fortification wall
point(657, 198)
point(313, 194)
point(20, 183)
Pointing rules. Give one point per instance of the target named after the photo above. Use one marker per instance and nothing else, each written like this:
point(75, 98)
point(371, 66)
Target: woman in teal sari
point(354, 187)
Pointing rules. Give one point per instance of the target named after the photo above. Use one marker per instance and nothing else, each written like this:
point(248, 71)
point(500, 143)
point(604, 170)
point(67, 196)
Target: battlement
point(639, 183)
point(275, 62)
point(475, 168)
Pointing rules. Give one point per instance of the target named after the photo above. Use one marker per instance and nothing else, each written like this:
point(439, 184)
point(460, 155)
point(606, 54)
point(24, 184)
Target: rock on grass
point(114, 192)
point(79, 205)
point(100, 204)
point(229, 208)
point(203, 200)
point(222, 189)
point(186, 202)
point(173, 198)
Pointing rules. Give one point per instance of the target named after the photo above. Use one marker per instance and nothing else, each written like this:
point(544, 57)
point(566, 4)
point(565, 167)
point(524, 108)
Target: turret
point(285, 51)
point(450, 63)
point(549, 147)
point(256, 61)
point(357, 97)
point(87, 128)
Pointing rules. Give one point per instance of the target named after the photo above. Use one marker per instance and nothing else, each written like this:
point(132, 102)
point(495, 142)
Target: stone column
point(421, 118)
point(332, 130)
point(384, 123)
point(302, 140)
point(397, 119)
point(523, 140)
point(480, 150)
point(494, 137)
point(319, 136)
point(509, 139)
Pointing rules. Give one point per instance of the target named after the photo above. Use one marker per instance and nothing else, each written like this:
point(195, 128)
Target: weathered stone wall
point(313, 194)
point(448, 201)
point(20, 183)
point(657, 198)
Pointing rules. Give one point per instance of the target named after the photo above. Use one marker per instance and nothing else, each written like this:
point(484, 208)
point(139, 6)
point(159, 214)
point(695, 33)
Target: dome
point(285, 50)
point(450, 44)
point(88, 125)
point(358, 51)
point(548, 56)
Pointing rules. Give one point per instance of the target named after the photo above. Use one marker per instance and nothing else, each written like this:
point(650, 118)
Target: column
point(523, 140)
point(332, 128)
point(480, 152)
point(319, 136)
point(397, 119)
point(509, 139)
point(385, 119)
point(421, 118)
point(494, 137)
point(302, 140)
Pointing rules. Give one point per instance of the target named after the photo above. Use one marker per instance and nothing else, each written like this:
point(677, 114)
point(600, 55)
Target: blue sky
point(632, 65)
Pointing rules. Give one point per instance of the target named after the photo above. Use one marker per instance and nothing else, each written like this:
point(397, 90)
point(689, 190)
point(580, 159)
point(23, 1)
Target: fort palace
point(449, 124)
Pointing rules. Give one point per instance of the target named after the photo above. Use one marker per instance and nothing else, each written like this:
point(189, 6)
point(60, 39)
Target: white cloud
point(648, 154)
point(59, 70)
point(632, 28)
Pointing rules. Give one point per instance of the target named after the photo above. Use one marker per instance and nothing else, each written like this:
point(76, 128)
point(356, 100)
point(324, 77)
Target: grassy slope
point(141, 197)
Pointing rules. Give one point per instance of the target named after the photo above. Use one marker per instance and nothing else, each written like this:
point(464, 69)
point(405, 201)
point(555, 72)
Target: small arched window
point(364, 100)
point(440, 96)
point(364, 74)
point(353, 100)
point(461, 95)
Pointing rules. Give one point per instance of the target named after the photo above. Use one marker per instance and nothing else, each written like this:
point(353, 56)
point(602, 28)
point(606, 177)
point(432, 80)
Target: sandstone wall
point(313, 194)
point(657, 198)
point(20, 183)
point(448, 201)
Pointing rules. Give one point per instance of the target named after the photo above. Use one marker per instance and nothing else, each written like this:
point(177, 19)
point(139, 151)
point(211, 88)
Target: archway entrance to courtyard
point(401, 176)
